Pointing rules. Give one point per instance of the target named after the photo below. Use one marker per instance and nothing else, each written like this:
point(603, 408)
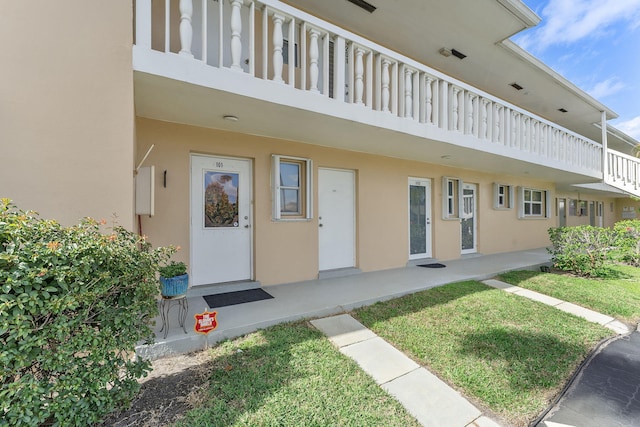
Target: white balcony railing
point(270, 40)
point(623, 172)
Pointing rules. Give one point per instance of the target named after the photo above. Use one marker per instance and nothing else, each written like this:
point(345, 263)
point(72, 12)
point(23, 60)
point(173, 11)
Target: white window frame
point(305, 181)
point(451, 200)
point(507, 194)
point(545, 210)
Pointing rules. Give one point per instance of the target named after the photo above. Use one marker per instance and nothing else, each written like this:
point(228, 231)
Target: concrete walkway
point(324, 297)
point(432, 402)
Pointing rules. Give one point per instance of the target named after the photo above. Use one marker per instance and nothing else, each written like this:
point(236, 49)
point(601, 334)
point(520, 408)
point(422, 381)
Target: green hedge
point(74, 303)
point(628, 241)
point(582, 249)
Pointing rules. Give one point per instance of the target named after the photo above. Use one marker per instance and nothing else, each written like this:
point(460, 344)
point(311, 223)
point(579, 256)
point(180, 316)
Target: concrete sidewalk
point(431, 401)
point(324, 297)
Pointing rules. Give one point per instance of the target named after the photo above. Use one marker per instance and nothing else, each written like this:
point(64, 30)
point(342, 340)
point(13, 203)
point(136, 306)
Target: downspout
point(605, 148)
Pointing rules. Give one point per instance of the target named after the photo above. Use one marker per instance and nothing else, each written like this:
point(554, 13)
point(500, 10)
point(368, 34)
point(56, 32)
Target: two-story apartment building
point(278, 140)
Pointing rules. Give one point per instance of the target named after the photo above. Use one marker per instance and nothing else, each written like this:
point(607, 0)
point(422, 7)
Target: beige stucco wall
point(66, 108)
point(609, 217)
point(627, 209)
point(288, 251)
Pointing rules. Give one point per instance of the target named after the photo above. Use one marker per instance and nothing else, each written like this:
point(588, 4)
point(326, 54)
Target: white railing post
point(186, 29)
point(143, 23)
point(314, 54)
point(385, 84)
point(605, 147)
point(236, 35)
point(408, 91)
point(278, 42)
point(428, 101)
point(454, 108)
point(358, 76)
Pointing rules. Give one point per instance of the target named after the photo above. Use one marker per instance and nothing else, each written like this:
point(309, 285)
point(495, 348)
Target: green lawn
point(511, 354)
point(508, 354)
point(618, 296)
point(291, 375)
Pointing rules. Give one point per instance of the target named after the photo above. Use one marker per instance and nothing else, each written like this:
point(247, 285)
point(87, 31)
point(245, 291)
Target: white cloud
point(630, 127)
point(568, 21)
point(606, 88)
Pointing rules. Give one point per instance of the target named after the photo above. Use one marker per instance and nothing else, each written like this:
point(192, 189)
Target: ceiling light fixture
point(445, 52)
point(230, 118)
point(364, 5)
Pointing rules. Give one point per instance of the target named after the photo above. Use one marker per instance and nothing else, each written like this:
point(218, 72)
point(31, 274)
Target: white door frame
point(426, 183)
point(330, 256)
point(245, 220)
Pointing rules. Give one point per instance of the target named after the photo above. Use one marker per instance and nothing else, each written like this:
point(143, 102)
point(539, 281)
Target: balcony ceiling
point(420, 28)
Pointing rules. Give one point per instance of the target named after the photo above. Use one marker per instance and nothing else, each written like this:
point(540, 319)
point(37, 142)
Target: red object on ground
point(205, 322)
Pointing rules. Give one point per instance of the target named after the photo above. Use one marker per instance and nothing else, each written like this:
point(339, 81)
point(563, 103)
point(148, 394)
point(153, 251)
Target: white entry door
point(221, 237)
point(336, 219)
point(419, 218)
point(468, 220)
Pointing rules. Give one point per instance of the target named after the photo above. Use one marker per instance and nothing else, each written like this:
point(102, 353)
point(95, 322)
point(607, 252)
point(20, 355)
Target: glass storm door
point(419, 218)
point(562, 212)
point(221, 216)
point(468, 221)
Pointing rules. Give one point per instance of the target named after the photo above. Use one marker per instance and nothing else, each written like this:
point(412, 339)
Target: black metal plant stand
point(183, 308)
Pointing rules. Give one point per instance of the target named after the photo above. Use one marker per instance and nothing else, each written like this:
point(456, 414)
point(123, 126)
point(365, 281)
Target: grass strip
point(511, 354)
point(291, 375)
point(617, 296)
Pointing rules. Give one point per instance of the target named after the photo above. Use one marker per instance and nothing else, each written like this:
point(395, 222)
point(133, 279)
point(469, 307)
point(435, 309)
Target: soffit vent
point(364, 5)
point(563, 110)
point(516, 86)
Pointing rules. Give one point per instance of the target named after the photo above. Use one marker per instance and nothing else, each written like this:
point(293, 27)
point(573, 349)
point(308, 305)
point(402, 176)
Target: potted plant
point(174, 279)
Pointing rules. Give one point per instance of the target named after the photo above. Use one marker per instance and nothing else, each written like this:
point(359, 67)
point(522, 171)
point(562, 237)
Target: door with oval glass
point(221, 236)
point(419, 218)
point(468, 220)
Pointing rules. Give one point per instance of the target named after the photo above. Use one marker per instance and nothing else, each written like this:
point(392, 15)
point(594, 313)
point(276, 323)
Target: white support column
point(220, 34)
point(454, 108)
point(304, 54)
point(143, 23)
point(186, 29)
point(167, 26)
point(378, 83)
point(443, 105)
point(278, 42)
point(605, 146)
point(314, 53)
point(236, 35)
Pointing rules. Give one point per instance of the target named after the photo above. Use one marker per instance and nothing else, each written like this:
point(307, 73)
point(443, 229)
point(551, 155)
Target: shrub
point(581, 250)
point(627, 234)
point(74, 303)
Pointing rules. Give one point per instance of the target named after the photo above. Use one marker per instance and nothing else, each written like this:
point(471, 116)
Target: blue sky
point(596, 45)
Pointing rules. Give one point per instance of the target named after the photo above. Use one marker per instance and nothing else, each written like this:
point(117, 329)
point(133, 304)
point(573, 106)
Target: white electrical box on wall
point(145, 191)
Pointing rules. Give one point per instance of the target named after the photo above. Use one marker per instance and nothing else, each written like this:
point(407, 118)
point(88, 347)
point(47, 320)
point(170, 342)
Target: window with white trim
point(451, 197)
point(534, 203)
point(502, 196)
point(291, 182)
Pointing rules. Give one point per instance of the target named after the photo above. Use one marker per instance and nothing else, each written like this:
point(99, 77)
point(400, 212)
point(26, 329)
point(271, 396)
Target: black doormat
point(432, 265)
point(238, 297)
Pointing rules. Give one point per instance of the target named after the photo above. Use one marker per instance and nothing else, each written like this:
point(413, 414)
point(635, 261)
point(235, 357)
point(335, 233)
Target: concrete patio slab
point(343, 330)
point(431, 401)
point(380, 359)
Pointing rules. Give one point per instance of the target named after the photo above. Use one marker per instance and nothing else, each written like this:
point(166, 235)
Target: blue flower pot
point(174, 286)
